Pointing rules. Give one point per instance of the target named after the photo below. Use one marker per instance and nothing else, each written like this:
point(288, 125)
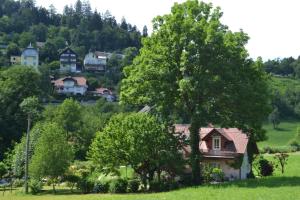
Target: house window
point(215, 165)
point(216, 143)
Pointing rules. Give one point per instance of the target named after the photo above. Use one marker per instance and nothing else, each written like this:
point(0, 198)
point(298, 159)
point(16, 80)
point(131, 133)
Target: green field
point(280, 137)
point(277, 187)
point(281, 84)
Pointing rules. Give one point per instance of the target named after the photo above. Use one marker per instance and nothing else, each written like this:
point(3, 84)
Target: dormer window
point(216, 143)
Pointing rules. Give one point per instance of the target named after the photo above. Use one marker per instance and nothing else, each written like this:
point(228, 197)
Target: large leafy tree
point(193, 65)
point(138, 140)
point(52, 155)
point(16, 84)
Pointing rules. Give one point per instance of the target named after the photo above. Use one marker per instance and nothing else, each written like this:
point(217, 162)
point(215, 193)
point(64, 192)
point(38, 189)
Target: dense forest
point(22, 22)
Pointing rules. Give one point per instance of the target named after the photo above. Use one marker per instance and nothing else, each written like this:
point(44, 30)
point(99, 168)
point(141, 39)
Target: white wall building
point(71, 85)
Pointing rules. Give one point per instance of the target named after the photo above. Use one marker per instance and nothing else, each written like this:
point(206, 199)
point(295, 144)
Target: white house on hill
point(71, 85)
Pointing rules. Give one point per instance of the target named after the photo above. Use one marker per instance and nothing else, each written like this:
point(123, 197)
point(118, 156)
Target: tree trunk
point(27, 153)
point(54, 191)
point(195, 152)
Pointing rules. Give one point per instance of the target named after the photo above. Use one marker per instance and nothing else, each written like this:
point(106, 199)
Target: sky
point(272, 25)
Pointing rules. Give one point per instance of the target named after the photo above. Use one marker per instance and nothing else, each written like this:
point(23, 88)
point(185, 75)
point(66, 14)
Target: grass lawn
point(280, 137)
point(277, 187)
point(282, 83)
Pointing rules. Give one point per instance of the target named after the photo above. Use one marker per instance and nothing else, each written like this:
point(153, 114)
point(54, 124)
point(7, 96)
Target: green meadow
point(277, 187)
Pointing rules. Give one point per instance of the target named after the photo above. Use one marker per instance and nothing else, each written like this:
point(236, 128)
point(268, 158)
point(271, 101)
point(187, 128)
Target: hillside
point(281, 84)
point(22, 22)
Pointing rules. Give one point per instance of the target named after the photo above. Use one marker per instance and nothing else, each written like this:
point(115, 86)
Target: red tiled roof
point(239, 138)
point(81, 81)
point(103, 90)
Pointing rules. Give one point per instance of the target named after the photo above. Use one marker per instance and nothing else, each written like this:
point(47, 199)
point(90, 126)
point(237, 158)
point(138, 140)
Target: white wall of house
point(70, 88)
point(245, 168)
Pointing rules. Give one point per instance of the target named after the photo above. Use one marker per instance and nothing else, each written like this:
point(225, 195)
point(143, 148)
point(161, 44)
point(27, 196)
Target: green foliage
point(52, 154)
point(35, 186)
point(274, 118)
point(138, 140)
point(263, 166)
point(182, 70)
point(101, 187)
point(133, 185)
point(16, 84)
point(217, 174)
point(118, 186)
point(3, 169)
point(281, 158)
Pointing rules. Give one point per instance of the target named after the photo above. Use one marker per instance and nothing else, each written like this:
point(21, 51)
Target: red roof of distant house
point(81, 81)
point(235, 135)
point(103, 91)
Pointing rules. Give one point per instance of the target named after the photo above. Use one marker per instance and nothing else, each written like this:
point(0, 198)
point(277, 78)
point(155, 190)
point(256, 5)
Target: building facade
point(95, 61)
point(71, 85)
point(68, 59)
point(30, 57)
point(224, 148)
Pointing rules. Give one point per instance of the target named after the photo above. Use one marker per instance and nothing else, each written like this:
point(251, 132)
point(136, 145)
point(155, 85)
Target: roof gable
point(234, 135)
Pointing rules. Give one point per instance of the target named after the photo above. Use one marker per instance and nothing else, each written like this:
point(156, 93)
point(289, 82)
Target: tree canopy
point(193, 65)
point(138, 140)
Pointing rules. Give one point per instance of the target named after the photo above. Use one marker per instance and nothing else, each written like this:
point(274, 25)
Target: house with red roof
point(71, 85)
point(224, 148)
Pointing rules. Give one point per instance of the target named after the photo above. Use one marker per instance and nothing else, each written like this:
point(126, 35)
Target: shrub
point(217, 174)
point(85, 185)
point(18, 183)
point(133, 185)
point(35, 186)
point(118, 186)
point(266, 167)
point(295, 144)
point(207, 173)
point(101, 187)
point(72, 180)
point(156, 186)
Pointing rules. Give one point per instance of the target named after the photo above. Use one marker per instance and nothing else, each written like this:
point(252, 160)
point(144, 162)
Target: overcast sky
point(273, 25)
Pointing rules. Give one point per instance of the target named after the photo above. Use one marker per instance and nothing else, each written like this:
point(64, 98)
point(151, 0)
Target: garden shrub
point(217, 174)
point(159, 186)
point(18, 182)
point(265, 167)
point(118, 186)
point(85, 185)
point(133, 185)
point(206, 173)
point(35, 186)
point(101, 187)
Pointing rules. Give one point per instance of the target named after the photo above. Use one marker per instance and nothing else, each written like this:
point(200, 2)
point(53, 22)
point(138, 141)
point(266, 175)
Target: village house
point(95, 61)
point(15, 60)
point(30, 56)
point(221, 148)
point(106, 93)
point(68, 59)
point(71, 85)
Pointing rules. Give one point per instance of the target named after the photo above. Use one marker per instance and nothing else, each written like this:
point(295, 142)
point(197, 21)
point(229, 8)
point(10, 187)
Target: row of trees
point(283, 67)
point(21, 22)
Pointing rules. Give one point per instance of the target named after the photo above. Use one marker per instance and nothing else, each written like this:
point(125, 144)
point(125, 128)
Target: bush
point(101, 187)
point(85, 185)
point(217, 174)
point(161, 186)
point(133, 185)
point(266, 167)
point(35, 186)
point(118, 186)
point(295, 144)
point(207, 173)
point(18, 182)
